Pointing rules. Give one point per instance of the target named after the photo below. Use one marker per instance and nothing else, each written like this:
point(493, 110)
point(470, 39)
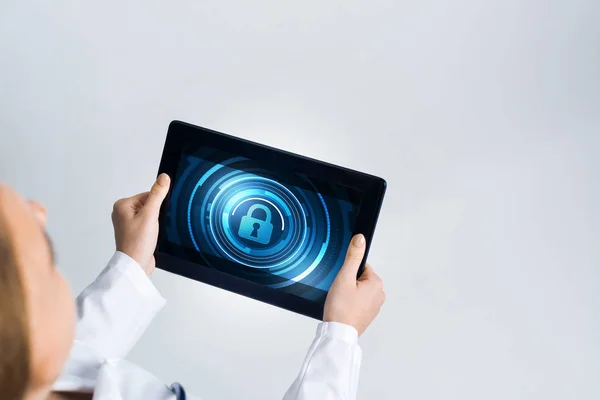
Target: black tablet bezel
point(181, 134)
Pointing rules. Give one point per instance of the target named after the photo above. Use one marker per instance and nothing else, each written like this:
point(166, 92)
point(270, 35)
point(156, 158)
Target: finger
point(354, 256)
point(137, 202)
point(370, 277)
point(129, 206)
point(368, 274)
point(158, 192)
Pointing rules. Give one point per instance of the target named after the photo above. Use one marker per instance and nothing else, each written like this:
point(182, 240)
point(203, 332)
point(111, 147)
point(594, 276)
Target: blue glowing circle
point(254, 189)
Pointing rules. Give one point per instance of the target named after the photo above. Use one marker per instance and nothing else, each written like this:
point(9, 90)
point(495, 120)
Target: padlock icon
point(257, 230)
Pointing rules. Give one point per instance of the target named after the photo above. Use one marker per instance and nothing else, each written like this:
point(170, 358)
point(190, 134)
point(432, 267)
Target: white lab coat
point(115, 310)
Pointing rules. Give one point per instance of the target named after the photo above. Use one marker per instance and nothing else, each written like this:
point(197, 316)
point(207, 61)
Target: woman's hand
point(350, 301)
point(135, 220)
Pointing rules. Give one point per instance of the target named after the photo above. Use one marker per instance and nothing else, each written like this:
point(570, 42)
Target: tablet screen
point(260, 222)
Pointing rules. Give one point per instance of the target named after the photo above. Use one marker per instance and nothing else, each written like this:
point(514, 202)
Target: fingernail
point(163, 179)
point(359, 240)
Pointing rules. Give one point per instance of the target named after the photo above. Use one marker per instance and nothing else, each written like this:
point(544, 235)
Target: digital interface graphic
point(259, 222)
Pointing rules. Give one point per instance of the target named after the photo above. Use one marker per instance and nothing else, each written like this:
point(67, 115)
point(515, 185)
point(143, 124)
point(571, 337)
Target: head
point(37, 312)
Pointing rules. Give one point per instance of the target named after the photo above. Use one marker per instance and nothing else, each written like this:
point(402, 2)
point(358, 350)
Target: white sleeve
point(330, 370)
point(112, 313)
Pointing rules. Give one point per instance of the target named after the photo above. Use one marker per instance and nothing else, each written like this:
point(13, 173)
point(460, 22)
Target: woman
point(54, 348)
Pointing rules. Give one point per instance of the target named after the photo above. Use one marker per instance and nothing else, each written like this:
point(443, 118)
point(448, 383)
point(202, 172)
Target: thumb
point(157, 194)
point(354, 256)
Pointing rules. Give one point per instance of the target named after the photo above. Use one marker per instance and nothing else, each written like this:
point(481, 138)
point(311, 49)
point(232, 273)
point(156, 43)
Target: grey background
point(482, 115)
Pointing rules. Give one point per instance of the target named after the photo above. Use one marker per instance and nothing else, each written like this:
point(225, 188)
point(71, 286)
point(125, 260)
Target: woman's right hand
point(351, 301)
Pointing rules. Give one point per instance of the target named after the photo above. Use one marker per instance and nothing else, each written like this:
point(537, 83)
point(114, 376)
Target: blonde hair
point(14, 332)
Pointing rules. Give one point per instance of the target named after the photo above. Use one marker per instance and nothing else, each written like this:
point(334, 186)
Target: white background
point(483, 116)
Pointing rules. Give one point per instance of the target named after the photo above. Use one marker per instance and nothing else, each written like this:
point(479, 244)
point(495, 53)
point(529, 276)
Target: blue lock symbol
point(257, 230)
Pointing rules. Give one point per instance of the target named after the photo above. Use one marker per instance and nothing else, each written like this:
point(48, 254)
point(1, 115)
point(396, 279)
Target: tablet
point(260, 221)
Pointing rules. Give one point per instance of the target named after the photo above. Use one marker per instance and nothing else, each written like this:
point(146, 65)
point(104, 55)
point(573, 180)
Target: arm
point(331, 367)
point(115, 310)
point(112, 313)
